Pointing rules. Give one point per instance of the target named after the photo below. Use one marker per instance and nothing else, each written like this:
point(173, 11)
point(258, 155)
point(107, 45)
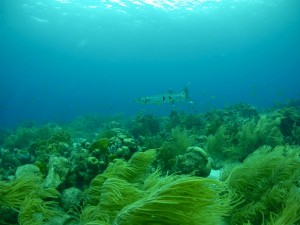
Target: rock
point(58, 168)
point(122, 136)
point(194, 161)
point(71, 198)
point(129, 142)
point(215, 174)
point(123, 152)
point(27, 170)
point(93, 160)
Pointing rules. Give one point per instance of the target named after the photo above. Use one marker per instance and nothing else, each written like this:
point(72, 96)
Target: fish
point(39, 19)
point(169, 97)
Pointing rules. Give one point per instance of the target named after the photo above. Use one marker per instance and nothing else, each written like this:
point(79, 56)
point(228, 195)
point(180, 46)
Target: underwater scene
point(150, 112)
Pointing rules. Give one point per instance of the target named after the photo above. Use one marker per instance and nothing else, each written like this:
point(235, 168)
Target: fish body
point(169, 97)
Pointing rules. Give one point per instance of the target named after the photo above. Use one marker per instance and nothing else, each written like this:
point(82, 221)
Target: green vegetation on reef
point(267, 183)
point(144, 125)
point(25, 195)
point(235, 145)
point(155, 170)
point(217, 146)
point(26, 134)
point(175, 145)
point(55, 143)
point(130, 193)
point(135, 169)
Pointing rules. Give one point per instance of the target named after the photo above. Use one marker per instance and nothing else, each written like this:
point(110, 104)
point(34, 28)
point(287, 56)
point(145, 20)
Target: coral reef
point(178, 141)
point(144, 125)
point(226, 145)
point(155, 170)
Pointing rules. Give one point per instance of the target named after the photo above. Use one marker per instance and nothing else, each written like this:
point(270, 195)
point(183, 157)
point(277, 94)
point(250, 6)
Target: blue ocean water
point(64, 58)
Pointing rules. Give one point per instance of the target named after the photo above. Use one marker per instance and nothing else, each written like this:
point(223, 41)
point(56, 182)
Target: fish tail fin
point(187, 93)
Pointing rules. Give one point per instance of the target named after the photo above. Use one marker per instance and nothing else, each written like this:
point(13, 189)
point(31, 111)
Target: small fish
point(169, 97)
point(37, 19)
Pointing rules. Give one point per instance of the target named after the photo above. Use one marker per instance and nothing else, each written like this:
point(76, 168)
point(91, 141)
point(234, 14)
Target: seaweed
point(57, 143)
point(128, 185)
point(35, 211)
point(13, 193)
point(4, 133)
point(231, 118)
point(215, 122)
point(24, 135)
point(149, 142)
point(254, 135)
point(265, 182)
point(25, 196)
point(217, 145)
point(129, 193)
point(176, 200)
point(145, 125)
point(21, 137)
point(233, 147)
point(133, 170)
point(290, 214)
point(176, 145)
point(289, 124)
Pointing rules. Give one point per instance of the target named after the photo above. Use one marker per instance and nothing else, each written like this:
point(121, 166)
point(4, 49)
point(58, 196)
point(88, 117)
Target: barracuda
point(169, 97)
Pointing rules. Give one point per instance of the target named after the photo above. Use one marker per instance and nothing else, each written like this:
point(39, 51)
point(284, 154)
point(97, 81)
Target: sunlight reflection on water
point(159, 4)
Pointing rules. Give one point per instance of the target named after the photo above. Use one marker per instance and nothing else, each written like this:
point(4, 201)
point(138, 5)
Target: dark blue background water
point(62, 59)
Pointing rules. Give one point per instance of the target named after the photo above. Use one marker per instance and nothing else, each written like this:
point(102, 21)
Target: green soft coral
point(36, 211)
point(265, 183)
point(224, 146)
point(217, 146)
point(176, 200)
point(178, 142)
point(25, 196)
point(130, 193)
